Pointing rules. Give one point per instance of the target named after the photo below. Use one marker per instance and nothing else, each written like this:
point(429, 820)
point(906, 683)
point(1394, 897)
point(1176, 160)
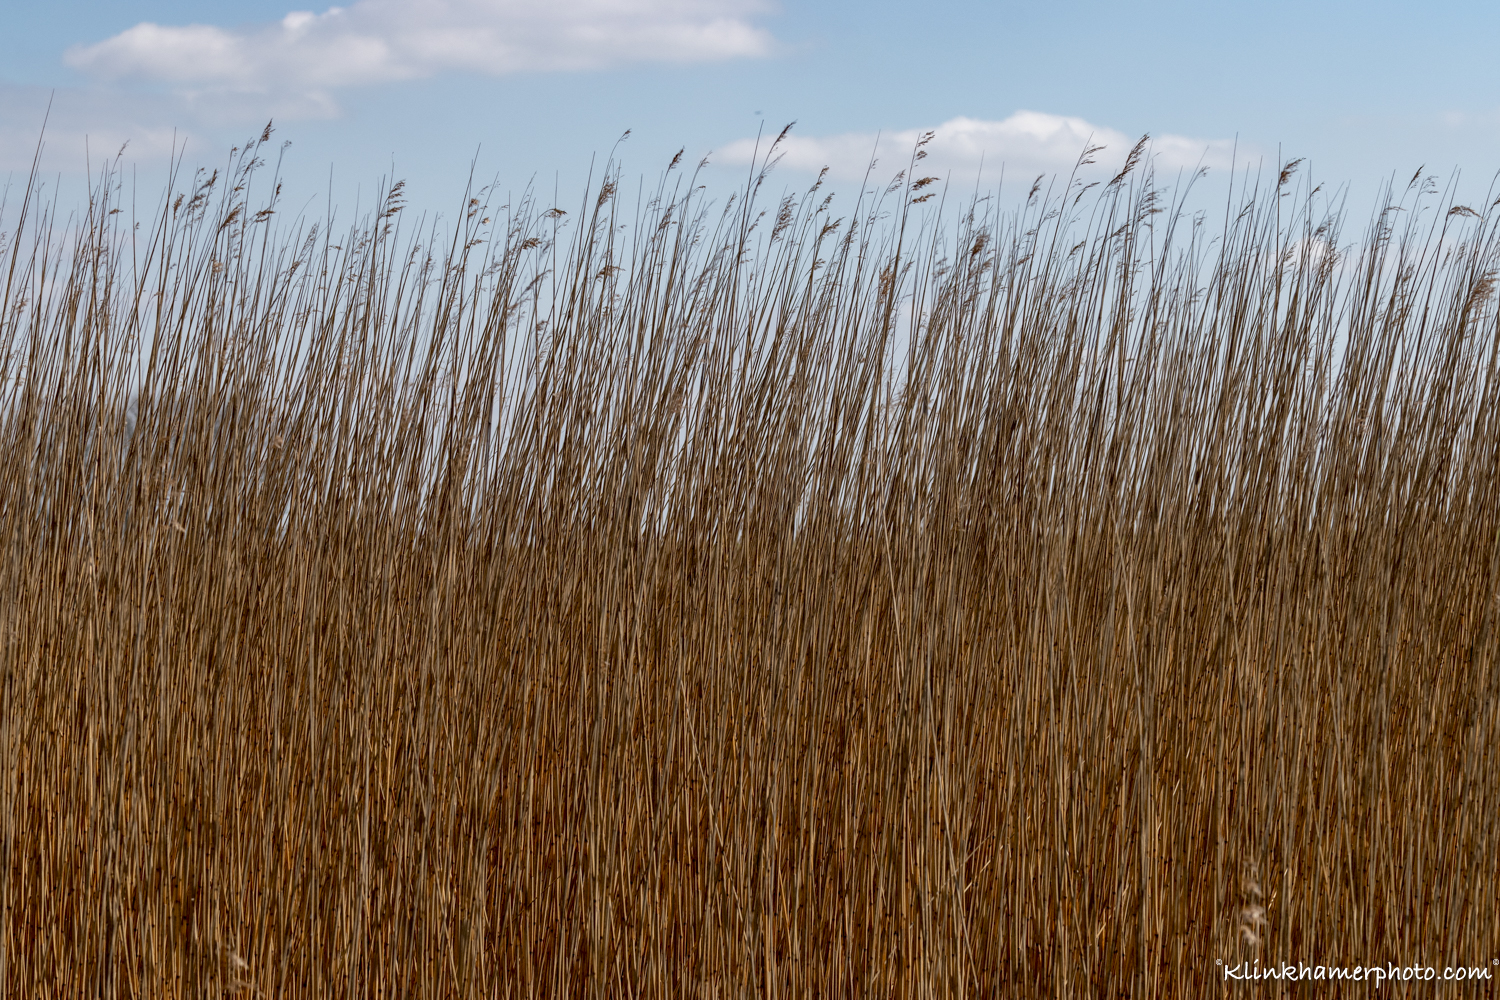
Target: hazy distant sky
point(1362, 90)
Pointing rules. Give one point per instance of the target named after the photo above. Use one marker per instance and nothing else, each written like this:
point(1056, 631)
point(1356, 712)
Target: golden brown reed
point(719, 609)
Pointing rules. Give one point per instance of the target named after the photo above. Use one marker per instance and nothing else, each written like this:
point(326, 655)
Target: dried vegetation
point(711, 601)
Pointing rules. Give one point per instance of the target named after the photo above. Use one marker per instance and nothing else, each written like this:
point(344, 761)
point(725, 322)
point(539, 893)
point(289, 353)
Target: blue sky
point(1363, 90)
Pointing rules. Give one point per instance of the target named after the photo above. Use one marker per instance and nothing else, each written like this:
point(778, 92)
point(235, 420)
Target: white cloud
point(373, 41)
point(1026, 144)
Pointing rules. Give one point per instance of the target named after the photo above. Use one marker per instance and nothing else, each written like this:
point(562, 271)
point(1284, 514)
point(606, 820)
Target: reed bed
point(747, 597)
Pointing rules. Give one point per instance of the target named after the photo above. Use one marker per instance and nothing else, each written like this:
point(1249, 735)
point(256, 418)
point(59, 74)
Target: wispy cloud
point(375, 41)
point(85, 126)
point(1026, 144)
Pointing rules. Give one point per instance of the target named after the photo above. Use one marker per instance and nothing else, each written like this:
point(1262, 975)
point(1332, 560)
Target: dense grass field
point(747, 597)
